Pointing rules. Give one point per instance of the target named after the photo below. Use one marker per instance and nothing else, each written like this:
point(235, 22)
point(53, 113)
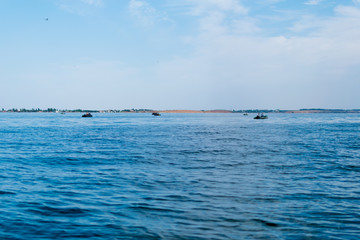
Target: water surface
point(179, 176)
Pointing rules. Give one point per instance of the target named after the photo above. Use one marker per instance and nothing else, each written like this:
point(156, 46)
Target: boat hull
point(259, 117)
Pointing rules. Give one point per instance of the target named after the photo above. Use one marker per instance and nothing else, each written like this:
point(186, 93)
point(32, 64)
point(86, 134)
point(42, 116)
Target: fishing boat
point(87, 115)
point(261, 116)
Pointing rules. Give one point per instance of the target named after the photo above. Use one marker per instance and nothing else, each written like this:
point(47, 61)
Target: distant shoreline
point(183, 111)
point(265, 111)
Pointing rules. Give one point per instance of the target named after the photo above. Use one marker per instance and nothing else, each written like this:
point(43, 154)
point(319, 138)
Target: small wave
point(168, 198)
point(229, 139)
point(69, 212)
point(207, 133)
point(221, 152)
point(147, 207)
point(232, 220)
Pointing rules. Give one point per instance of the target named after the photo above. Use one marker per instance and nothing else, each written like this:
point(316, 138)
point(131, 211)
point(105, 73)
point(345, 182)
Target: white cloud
point(234, 65)
point(79, 7)
point(199, 7)
point(216, 17)
point(146, 14)
point(313, 2)
point(348, 12)
point(94, 2)
point(316, 69)
point(306, 23)
point(273, 1)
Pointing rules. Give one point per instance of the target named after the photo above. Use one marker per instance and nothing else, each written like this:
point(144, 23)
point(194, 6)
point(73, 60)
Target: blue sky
point(180, 54)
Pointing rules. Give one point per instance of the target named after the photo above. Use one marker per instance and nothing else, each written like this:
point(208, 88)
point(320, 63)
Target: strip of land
point(312, 110)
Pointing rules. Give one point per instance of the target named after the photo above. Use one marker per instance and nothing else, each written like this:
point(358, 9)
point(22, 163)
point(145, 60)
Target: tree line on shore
point(55, 110)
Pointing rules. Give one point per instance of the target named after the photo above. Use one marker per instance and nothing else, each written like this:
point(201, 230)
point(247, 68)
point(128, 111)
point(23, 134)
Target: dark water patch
point(351, 168)
point(7, 193)
point(266, 223)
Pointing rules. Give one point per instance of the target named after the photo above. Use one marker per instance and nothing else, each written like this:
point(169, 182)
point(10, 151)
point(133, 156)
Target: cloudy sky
point(180, 54)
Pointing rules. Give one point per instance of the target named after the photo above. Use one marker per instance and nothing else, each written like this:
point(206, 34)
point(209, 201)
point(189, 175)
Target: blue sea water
point(179, 176)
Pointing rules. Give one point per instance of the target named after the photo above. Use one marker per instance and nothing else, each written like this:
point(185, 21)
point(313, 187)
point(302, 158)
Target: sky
point(180, 54)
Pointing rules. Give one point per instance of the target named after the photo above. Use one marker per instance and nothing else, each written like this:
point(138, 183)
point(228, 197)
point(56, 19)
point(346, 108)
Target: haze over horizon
point(180, 54)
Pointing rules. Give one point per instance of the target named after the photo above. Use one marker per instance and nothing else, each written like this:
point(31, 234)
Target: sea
point(179, 176)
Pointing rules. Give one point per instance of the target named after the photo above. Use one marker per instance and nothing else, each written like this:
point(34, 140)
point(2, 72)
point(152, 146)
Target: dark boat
point(156, 114)
point(87, 115)
point(261, 117)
